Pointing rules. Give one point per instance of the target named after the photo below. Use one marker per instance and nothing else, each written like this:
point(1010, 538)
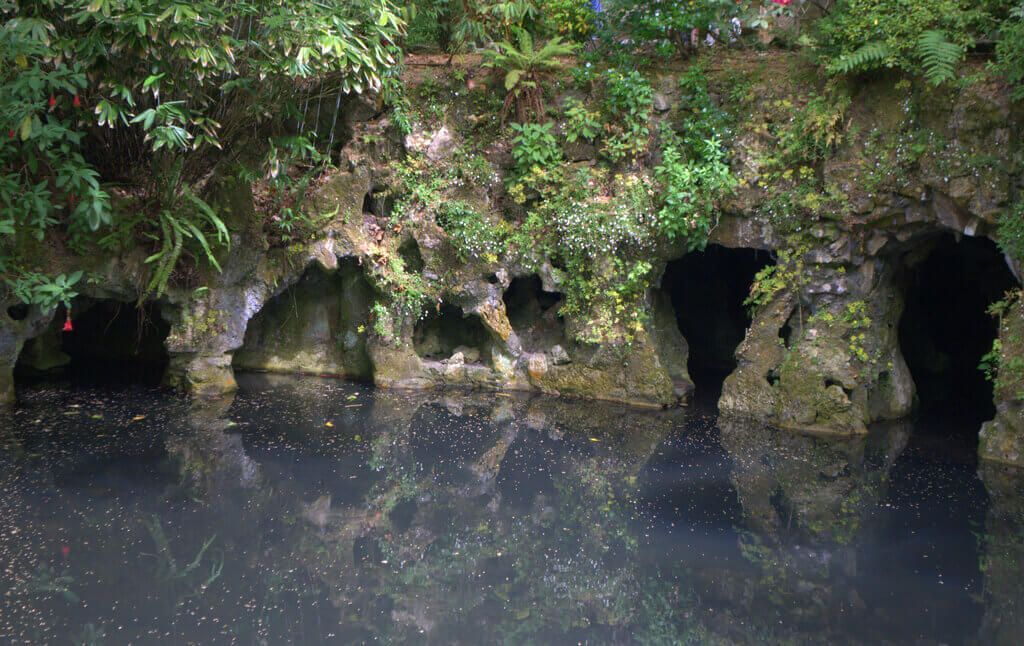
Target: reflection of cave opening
point(443, 333)
point(111, 341)
point(319, 325)
point(945, 329)
point(533, 314)
point(707, 289)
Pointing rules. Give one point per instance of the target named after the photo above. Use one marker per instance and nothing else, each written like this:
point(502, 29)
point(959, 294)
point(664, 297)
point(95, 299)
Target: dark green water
point(312, 511)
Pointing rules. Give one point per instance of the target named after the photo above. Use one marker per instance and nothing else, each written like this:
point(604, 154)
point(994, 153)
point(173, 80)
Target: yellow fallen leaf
point(138, 418)
point(329, 424)
point(594, 439)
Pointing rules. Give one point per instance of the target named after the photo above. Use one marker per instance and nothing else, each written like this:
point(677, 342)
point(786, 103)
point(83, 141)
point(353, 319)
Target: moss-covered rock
point(1002, 439)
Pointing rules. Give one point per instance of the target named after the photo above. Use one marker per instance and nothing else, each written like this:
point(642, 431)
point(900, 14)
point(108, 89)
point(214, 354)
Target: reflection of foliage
point(190, 577)
point(659, 608)
point(90, 636)
point(565, 563)
point(48, 582)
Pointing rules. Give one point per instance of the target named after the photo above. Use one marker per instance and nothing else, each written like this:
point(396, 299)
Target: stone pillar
point(13, 334)
point(829, 362)
point(205, 331)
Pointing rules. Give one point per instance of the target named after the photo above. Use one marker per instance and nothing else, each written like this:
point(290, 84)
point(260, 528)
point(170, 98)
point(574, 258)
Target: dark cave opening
point(533, 314)
point(945, 329)
point(110, 342)
point(707, 289)
point(447, 331)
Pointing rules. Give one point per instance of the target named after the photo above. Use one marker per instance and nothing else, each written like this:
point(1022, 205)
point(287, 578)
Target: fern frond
point(939, 56)
point(869, 56)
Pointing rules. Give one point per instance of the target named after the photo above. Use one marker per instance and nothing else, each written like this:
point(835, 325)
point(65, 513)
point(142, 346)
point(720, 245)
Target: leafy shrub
point(666, 25)
point(581, 124)
point(693, 180)
point(534, 146)
point(455, 25)
point(627, 105)
point(1010, 51)
point(155, 90)
point(925, 38)
point(525, 70)
point(694, 172)
point(600, 231)
point(570, 19)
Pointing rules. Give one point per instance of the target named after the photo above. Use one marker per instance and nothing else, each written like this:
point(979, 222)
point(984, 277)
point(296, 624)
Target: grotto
point(317, 325)
point(945, 330)
point(512, 322)
point(103, 340)
point(707, 290)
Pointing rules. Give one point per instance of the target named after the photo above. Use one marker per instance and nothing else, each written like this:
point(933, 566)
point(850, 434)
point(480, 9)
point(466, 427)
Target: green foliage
point(187, 226)
point(694, 172)
point(666, 25)
point(570, 19)
point(160, 87)
point(293, 163)
point(472, 235)
point(1003, 365)
point(921, 38)
point(853, 319)
point(866, 57)
point(1010, 51)
point(408, 294)
point(455, 25)
point(1010, 234)
point(693, 180)
point(600, 231)
point(938, 56)
point(581, 124)
point(44, 179)
point(525, 68)
point(534, 146)
point(789, 273)
point(33, 288)
point(627, 106)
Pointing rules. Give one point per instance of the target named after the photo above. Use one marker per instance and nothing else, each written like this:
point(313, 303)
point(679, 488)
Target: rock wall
point(822, 354)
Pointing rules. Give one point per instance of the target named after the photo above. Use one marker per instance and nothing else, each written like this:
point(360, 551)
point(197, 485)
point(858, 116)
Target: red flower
point(53, 101)
point(10, 133)
point(68, 327)
point(65, 550)
point(76, 102)
point(784, 3)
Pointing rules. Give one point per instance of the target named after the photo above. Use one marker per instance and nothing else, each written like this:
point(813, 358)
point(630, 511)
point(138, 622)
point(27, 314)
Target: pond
point(317, 511)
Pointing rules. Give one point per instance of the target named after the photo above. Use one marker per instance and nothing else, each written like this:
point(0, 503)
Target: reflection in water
point(312, 511)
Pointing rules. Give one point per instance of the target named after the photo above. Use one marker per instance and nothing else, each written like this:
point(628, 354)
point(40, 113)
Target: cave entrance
point(945, 329)
point(447, 331)
point(533, 314)
point(707, 289)
point(111, 342)
point(318, 325)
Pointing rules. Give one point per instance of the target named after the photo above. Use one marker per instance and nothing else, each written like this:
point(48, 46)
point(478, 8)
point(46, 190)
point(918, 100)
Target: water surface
point(316, 511)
